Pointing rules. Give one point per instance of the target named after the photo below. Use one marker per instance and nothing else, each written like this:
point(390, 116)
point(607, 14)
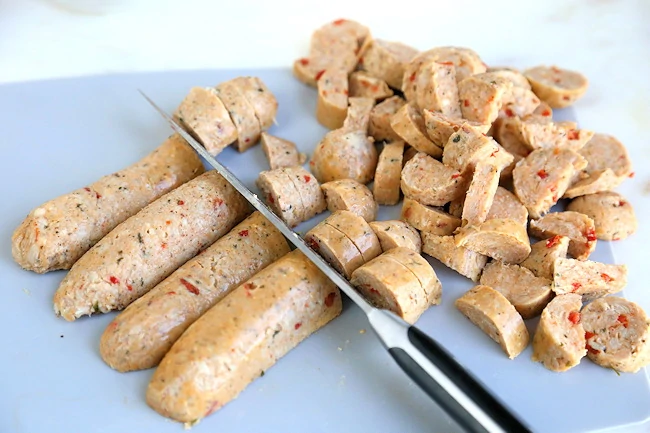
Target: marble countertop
point(609, 41)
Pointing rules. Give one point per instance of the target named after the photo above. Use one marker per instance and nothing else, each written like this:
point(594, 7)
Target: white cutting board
point(61, 135)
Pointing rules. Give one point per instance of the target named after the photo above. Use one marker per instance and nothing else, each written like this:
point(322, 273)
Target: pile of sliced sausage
point(213, 296)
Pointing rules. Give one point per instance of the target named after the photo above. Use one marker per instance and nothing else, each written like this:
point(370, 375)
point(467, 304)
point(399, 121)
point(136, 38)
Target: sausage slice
point(358, 116)
point(380, 117)
point(467, 146)
point(386, 187)
point(362, 84)
point(242, 114)
point(428, 219)
point(422, 270)
point(431, 182)
point(586, 278)
point(541, 260)
point(280, 152)
point(440, 127)
point(281, 195)
point(612, 214)
point(538, 132)
point(480, 194)
point(579, 228)
point(396, 233)
point(309, 191)
point(501, 239)
point(409, 125)
point(462, 260)
point(604, 151)
point(437, 89)
point(506, 205)
point(557, 87)
point(348, 194)
point(481, 97)
point(332, 104)
point(359, 232)
point(344, 154)
point(335, 247)
point(260, 97)
point(597, 181)
point(386, 60)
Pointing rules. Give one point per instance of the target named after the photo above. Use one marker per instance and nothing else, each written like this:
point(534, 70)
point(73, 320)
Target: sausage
point(281, 195)
point(539, 132)
point(506, 205)
point(586, 278)
point(605, 151)
point(344, 155)
point(386, 60)
point(466, 262)
point(260, 97)
point(386, 187)
point(431, 182)
point(617, 334)
point(507, 133)
point(557, 87)
point(597, 181)
point(481, 97)
point(480, 194)
point(467, 146)
point(519, 101)
point(541, 260)
point(147, 247)
point(358, 231)
point(309, 191)
point(409, 125)
point(579, 228)
point(613, 215)
point(57, 233)
point(239, 338)
point(544, 176)
point(501, 239)
point(280, 152)
point(513, 75)
point(396, 233)
point(427, 218)
point(380, 115)
point(387, 284)
point(526, 292)
point(362, 84)
point(422, 270)
point(139, 337)
point(559, 341)
point(440, 127)
point(437, 89)
point(335, 247)
point(543, 110)
point(242, 114)
point(348, 194)
point(358, 116)
point(205, 116)
point(493, 314)
point(332, 105)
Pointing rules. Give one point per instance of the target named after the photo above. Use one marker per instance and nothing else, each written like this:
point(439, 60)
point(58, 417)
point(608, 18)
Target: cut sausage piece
point(506, 205)
point(362, 84)
point(205, 116)
point(139, 337)
point(344, 155)
point(480, 194)
point(586, 278)
point(440, 127)
point(388, 284)
point(335, 247)
point(309, 190)
point(386, 60)
point(493, 314)
point(579, 228)
point(544, 176)
point(409, 125)
point(332, 104)
point(260, 97)
point(559, 341)
point(428, 219)
point(380, 116)
point(605, 151)
point(422, 270)
point(481, 97)
point(396, 233)
point(617, 333)
point(359, 232)
point(358, 116)
point(242, 114)
point(59, 232)
point(143, 250)
point(281, 195)
point(242, 336)
point(511, 74)
point(460, 259)
point(538, 133)
point(557, 87)
point(468, 145)
point(280, 152)
point(612, 214)
point(431, 182)
point(437, 89)
point(501, 239)
point(541, 260)
point(348, 194)
point(386, 187)
point(598, 181)
point(519, 101)
point(526, 292)
point(507, 133)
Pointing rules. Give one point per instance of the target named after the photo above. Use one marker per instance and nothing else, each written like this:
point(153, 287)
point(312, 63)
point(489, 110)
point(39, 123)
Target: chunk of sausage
point(309, 191)
point(260, 97)
point(348, 194)
point(422, 270)
point(506, 205)
point(431, 182)
point(579, 228)
point(539, 132)
point(335, 247)
point(280, 152)
point(493, 314)
point(396, 233)
point(519, 101)
point(386, 60)
point(409, 125)
point(344, 155)
point(466, 262)
point(143, 250)
point(557, 87)
point(359, 232)
point(598, 181)
point(612, 214)
point(141, 335)
point(559, 341)
point(501, 239)
point(437, 89)
point(440, 127)
point(332, 104)
point(467, 146)
point(586, 278)
point(428, 219)
point(380, 116)
point(386, 187)
point(358, 116)
point(480, 194)
point(604, 151)
point(481, 97)
point(241, 337)
point(362, 84)
point(59, 232)
point(511, 74)
point(281, 195)
point(541, 260)
point(242, 114)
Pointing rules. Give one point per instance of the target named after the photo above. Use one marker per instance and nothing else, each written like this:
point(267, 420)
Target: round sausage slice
point(513, 75)
point(344, 155)
point(604, 151)
point(617, 333)
point(386, 187)
point(559, 341)
point(396, 233)
point(506, 205)
point(386, 60)
point(579, 228)
point(493, 314)
point(587, 278)
point(359, 232)
point(501, 239)
point(422, 270)
point(332, 104)
point(541, 260)
point(460, 259)
point(379, 127)
point(409, 125)
point(480, 194)
point(598, 181)
point(431, 182)
point(362, 84)
point(428, 219)
point(280, 152)
point(612, 214)
point(440, 127)
point(348, 194)
point(335, 247)
point(557, 87)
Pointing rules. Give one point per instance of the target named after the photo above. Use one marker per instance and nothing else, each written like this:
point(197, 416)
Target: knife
point(424, 360)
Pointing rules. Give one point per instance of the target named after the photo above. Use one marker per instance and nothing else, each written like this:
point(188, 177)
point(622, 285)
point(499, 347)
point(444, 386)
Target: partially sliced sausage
point(481, 97)
point(466, 262)
point(468, 145)
point(559, 341)
point(440, 127)
point(598, 181)
point(431, 182)
point(280, 152)
point(501, 239)
point(557, 87)
point(480, 194)
point(335, 247)
point(364, 85)
point(427, 218)
point(348, 194)
point(344, 154)
point(242, 114)
point(579, 228)
point(422, 270)
point(526, 292)
point(506, 205)
point(380, 116)
point(605, 151)
point(586, 278)
point(386, 187)
point(396, 233)
point(332, 104)
point(260, 97)
point(281, 195)
point(437, 89)
point(309, 190)
point(386, 60)
point(617, 333)
point(612, 214)
point(242, 336)
point(359, 232)
point(409, 125)
point(541, 260)
point(358, 116)
point(493, 314)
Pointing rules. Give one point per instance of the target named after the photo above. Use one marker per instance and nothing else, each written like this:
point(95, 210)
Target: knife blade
point(424, 360)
